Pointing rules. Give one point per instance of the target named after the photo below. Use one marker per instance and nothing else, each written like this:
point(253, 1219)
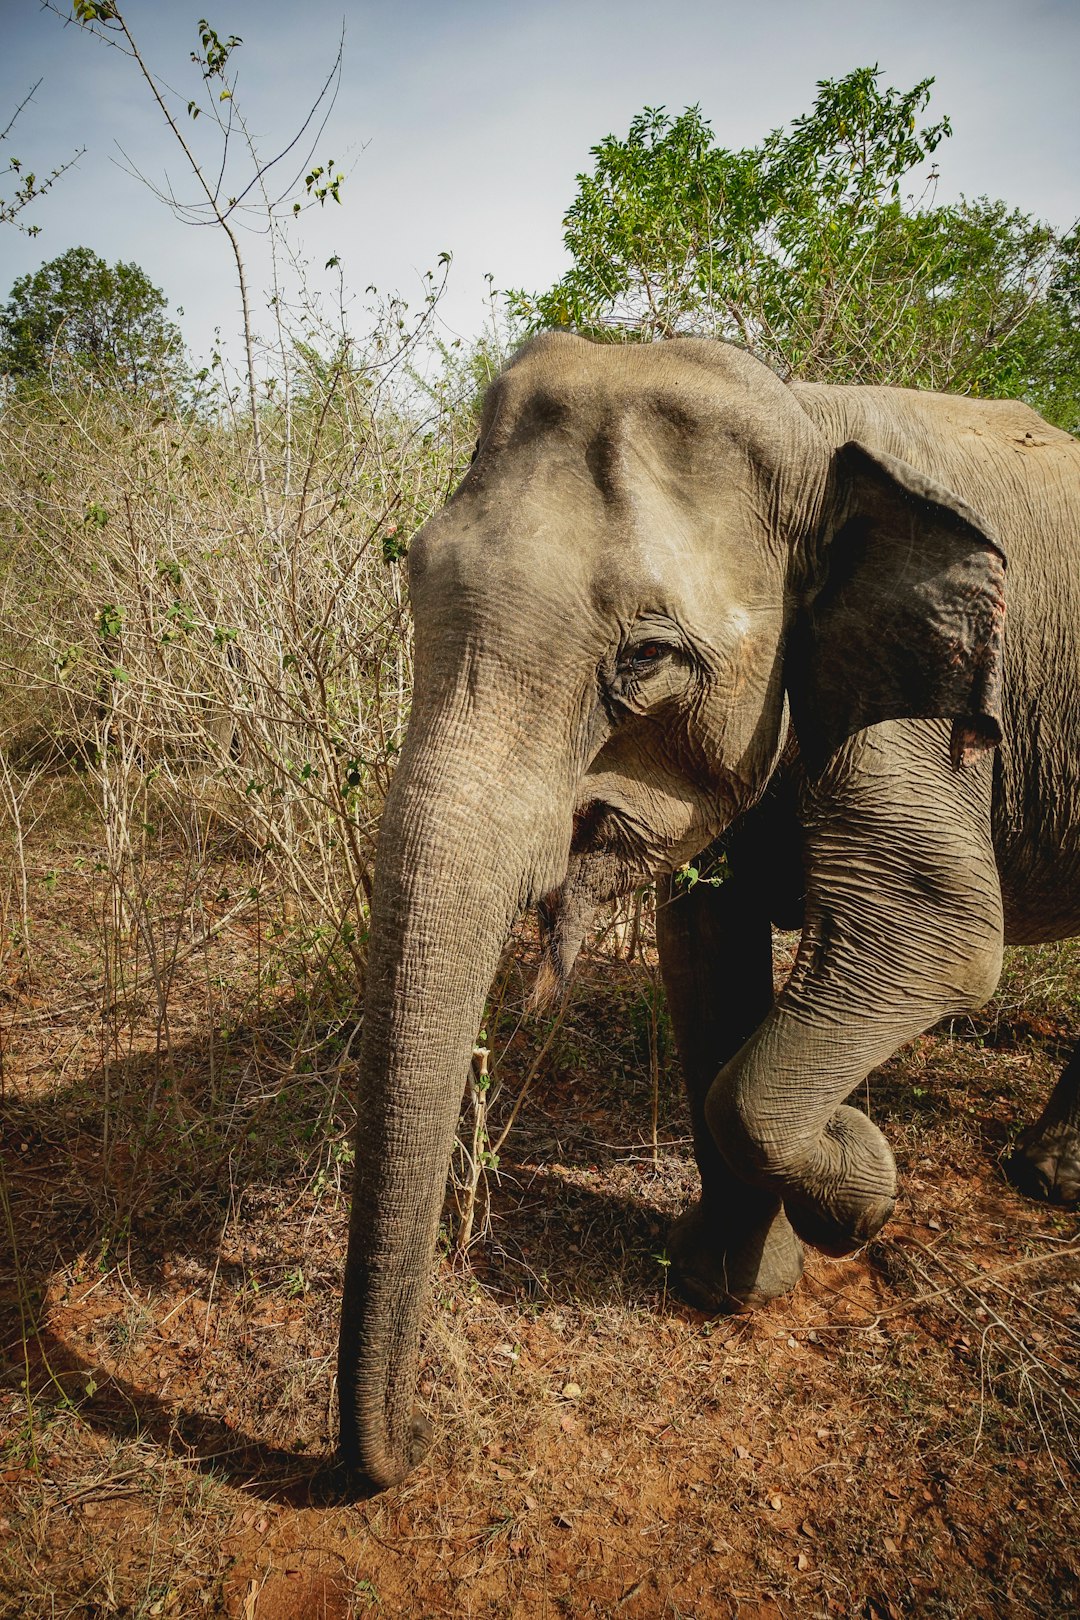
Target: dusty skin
point(897, 1438)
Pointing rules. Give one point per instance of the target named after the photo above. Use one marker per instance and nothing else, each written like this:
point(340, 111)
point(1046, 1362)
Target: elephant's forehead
point(621, 481)
point(614, 505)
point(649, 431)
point(605, 394)
point(560, 554)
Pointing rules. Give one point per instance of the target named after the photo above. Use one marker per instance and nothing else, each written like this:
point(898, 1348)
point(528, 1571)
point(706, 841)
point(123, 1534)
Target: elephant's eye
point(649, 670)
point(647, 656)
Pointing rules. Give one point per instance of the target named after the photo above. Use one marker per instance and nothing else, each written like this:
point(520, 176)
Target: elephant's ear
point(904, 618)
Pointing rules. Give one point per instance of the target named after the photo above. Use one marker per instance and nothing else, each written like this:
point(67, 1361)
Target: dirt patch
point(899, 1437)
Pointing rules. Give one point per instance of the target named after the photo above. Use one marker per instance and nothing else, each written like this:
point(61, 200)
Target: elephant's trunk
point(456, 860)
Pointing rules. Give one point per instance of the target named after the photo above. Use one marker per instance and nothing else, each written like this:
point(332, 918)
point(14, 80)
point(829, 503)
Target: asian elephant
point(676, 598)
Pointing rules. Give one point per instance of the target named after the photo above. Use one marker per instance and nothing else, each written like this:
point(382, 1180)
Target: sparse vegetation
point(23, 184)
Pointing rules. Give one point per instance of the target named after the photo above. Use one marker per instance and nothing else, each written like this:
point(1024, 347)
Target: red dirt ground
point(899, 1437)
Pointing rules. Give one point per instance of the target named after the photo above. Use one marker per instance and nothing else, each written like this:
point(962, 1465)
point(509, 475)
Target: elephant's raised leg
point(1046, 1163)
point(734, 1249)
point(903, 927)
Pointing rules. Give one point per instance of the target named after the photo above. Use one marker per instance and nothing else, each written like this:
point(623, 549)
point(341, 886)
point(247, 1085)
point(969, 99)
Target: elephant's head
point(652, 547)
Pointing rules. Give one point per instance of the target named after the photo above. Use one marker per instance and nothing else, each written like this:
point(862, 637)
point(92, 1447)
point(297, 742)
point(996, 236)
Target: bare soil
point(899, 1437)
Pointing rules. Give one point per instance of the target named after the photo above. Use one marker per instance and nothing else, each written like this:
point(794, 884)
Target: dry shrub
point(223, 652)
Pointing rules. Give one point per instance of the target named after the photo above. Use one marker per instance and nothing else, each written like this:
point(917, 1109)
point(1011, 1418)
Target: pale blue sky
point(464, 122)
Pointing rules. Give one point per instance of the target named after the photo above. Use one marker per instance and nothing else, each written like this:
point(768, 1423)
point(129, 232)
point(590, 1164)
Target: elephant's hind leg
point(734, 1249)
point(1046, 1163)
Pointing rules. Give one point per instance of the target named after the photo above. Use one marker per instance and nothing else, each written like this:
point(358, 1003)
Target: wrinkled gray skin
point(659, 555)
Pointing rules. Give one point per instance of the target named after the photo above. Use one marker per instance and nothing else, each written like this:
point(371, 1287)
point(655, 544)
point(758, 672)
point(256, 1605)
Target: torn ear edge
point(904, 618)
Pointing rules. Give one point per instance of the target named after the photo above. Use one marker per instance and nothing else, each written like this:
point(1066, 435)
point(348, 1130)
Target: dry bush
point(223, 653)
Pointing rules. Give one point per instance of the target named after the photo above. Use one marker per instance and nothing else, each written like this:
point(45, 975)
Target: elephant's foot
point(1046, 1163)
point(734, 1259)
point(849, 1191)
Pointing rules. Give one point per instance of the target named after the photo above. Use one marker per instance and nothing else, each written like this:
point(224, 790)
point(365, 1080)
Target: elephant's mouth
point(614, 851)
point(609, 857)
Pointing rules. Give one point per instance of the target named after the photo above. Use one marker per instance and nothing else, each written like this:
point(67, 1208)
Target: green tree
point(805, 250)
point(103, 324)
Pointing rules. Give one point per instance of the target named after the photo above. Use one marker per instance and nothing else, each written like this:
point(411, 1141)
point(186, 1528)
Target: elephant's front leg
point(734, 1249)
point(1046, 1163)
point(903, 927)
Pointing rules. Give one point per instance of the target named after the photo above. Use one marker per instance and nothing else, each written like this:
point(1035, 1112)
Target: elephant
point(679, 600)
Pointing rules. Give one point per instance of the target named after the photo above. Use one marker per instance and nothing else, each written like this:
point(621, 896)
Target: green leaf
point(110, 620)
point(88, 11)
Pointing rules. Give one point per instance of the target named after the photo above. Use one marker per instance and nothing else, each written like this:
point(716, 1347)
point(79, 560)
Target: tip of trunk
point(381, 1436)
point(373, 1463)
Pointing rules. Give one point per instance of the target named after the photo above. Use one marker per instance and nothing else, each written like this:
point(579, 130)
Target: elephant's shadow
point(147, 1205)
point(576, 1221)
point(76, 1211)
